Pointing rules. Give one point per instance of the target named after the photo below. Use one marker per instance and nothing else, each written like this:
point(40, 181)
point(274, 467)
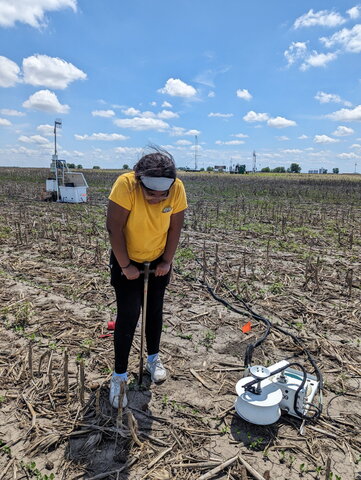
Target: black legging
point(129, 295)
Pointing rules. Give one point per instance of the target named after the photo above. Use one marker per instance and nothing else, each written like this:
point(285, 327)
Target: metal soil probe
point(144, 321)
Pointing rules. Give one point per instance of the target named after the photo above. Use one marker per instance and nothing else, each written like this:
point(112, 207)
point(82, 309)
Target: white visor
point(159, 184)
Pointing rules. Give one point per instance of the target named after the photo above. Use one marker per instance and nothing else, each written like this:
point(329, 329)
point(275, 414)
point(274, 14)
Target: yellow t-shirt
point(147, 224)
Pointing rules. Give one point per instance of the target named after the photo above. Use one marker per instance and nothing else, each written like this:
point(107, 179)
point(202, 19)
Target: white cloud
point(11, 113)
point(76, 153)
point(52, 72)
point(180, 132)
point(72, 153)
point(239, 135)
point(303, 137)
point(346, 115)
point(30, 12)
point(323, 18)
point(183, 142)
point(348, 39)
point(33, 139)
point(166, 104)
point(24, 151)
point(199, 147)
point(348, 155)
point(211, 94)
point(323, 97)
point(107, 137)
point(176, 88)
point(291, 150)
point(141, 123)
point(244, 94)
point(324, 139)
point(45, 101)
point(207, 77)
point(356, 145)
point(47, 130)
point(296, 51)
point(318, 60)
point(252, 116)
point(281, 122)
point(282, 138)
point(271, 155)
point(147, 114)
point(131, 112)
point(153, 104)
point(342, 131)
point(128, 150)
point(230, 142)
point(319, 154)
point(4, 122)
point(170, 147)
point(9, 72)
point(103, 113)
point(220, 115)
point(354, 12)
point(166, 114)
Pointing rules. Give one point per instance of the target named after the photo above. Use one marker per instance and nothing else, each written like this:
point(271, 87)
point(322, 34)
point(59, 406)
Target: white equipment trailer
point(65, 185)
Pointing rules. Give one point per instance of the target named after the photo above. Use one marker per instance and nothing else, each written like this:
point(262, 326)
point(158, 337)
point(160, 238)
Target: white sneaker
point(157, 372)
point(115, 391)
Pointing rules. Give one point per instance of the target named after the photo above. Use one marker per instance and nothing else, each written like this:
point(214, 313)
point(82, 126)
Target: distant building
point(320, 170)
point(219, 168)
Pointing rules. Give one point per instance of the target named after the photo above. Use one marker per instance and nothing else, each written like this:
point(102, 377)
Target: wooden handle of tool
point(144, 321)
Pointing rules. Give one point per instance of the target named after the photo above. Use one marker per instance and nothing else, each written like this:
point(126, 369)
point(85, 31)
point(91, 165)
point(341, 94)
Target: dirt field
point(289, 246)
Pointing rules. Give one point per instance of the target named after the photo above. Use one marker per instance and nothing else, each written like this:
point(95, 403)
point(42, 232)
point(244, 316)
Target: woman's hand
point(162, 269)
point(131, 272)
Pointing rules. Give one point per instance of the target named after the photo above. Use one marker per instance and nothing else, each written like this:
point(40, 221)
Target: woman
point(144, 221)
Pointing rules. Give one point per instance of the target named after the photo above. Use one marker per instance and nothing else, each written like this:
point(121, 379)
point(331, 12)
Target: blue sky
point(281, 78)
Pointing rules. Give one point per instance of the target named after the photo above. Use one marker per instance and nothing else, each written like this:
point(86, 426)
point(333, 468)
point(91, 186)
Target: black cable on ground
point(269, 325)
point(296, 339)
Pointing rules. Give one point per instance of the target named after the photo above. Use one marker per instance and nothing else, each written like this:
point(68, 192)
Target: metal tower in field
point(63, 185)
point(254, 169)
point(195, 152)
point(57, 124)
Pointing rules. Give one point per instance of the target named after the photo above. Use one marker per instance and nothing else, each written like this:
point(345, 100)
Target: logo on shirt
point(167, 209)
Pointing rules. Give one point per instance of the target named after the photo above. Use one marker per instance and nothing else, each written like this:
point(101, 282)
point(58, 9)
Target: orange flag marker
point(247, 327)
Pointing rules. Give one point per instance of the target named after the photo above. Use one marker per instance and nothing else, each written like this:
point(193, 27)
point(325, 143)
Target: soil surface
point(56, 354)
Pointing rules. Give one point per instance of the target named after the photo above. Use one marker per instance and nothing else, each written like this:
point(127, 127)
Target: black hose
point(269, 325)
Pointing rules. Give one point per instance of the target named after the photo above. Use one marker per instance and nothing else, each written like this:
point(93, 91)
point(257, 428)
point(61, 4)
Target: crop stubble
point(288, 245)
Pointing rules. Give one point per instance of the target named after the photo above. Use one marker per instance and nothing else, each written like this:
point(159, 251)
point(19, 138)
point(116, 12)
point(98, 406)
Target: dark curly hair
point(159, 163)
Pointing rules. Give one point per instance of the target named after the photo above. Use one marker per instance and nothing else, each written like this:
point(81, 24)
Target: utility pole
point(195, 152)
point(254, 162)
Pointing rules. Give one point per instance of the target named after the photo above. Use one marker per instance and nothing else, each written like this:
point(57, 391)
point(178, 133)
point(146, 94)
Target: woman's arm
point(117, 217)
point(175, 227)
